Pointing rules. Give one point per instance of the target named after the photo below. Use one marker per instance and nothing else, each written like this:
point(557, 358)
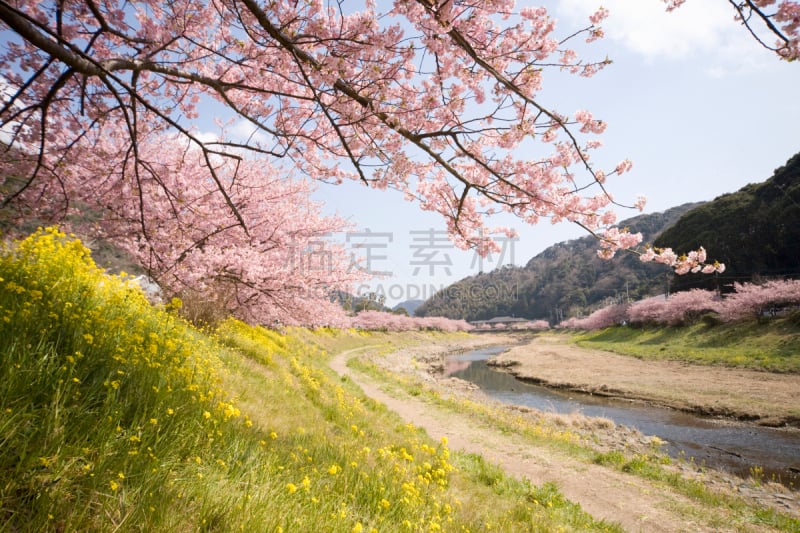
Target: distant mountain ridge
point(410, 306)
point(565, 278)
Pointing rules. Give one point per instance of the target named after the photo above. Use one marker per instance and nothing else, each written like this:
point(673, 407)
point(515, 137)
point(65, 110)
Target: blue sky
point(697, 105)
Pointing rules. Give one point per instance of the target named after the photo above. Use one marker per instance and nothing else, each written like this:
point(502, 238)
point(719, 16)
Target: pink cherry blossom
point(748, 301)
point(331, 95)
point(752, 300)
point(102, 104)
point(383, 321)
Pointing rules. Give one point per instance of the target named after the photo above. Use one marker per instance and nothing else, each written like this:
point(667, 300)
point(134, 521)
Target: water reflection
point(736, 448)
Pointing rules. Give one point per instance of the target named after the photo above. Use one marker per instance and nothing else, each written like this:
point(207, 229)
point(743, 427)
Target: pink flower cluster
point(750, 300)
point(382, 321)
point(602, 318)
point(694, 261)
point(442, 101)
point(679, 308)
point(438, 100)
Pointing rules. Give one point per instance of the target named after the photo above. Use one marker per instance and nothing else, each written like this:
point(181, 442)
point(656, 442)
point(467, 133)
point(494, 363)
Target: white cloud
point(245, 132)
point(8, 130)
point(703, 28)
point(206, 136)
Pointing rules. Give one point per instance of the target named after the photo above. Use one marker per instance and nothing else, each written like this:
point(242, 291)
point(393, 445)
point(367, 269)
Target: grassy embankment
point(559, 433)
point(771, 345)
point(119, 416)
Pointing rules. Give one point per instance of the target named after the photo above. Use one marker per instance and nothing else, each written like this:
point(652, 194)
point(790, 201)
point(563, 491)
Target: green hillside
point(565, 278)
point(754, 231)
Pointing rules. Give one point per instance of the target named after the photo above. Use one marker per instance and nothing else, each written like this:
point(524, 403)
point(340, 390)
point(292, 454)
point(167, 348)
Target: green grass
point(541, 509)
point(772, 345)
point(120, 416)
point(539, 432)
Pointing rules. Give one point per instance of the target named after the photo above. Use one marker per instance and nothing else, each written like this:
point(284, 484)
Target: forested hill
point(561, 280)
point(754, 231)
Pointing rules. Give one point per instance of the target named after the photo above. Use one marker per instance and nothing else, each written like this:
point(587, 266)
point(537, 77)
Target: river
point(737, 448)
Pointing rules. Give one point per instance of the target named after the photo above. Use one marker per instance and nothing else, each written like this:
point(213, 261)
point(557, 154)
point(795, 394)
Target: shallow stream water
point(737, 448)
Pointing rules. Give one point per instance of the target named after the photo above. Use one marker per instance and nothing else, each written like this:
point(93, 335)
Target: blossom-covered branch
point(431, 98)
point(439, 99)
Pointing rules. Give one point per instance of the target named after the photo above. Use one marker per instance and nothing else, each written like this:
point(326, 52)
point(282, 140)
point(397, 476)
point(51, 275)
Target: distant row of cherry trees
point(750, 300)
point(383, 321)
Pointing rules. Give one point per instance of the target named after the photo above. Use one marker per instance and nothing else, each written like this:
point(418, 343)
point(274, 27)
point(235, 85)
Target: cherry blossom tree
point(434, 98)
point(780, 22)
point(610, 315)
point(281, 268)
point(751, 300)
point(382, 321)
point(680, 308)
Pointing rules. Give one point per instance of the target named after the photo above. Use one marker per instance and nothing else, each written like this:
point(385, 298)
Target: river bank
point(429, 364)
point(763, 398)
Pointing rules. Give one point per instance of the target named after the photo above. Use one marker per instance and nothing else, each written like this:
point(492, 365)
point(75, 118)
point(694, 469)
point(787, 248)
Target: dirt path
point(606, 494)
point(762, 397)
